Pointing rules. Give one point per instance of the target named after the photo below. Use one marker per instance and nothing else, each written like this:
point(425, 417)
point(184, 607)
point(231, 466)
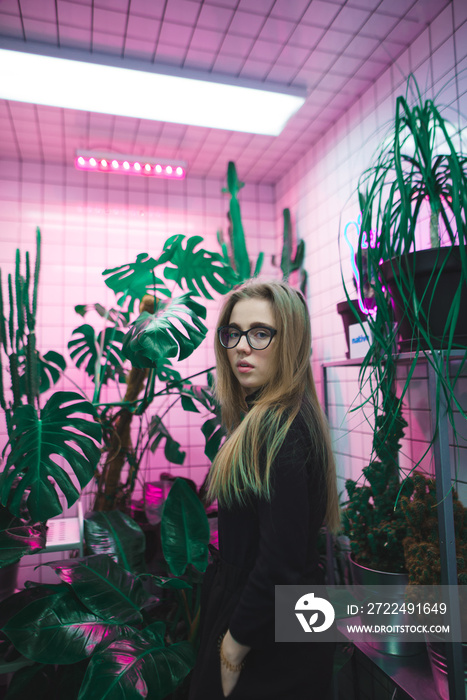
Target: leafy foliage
point(156, 336)
point(35, 439)
point(194, 267)
point(115, 533)
point(184, 529)
point(100, 355)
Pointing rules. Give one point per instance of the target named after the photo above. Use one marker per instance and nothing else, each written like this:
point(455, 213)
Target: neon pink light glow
point(131, 168)
point(357, 225)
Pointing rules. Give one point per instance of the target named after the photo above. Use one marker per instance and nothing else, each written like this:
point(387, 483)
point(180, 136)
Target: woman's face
point(252, 368)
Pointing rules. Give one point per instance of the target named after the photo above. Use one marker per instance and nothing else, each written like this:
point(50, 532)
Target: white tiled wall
point(90, 222)
point(320, 189)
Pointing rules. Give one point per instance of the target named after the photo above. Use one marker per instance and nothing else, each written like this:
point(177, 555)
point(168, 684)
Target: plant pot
point(344, 309)
point(436, 648)
point(392, 645)
point(434, 297)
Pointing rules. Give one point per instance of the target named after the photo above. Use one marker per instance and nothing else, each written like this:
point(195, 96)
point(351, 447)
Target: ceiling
point(336, 48)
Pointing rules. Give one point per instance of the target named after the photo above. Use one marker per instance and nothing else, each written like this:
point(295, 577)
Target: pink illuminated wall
point(93, 221)
point(90, 222)
point(320, 190)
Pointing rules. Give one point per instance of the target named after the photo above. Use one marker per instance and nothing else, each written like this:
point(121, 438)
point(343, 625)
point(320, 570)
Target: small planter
point(436, 648)
point(434, 295)
point(344, 309)
point(363, 576)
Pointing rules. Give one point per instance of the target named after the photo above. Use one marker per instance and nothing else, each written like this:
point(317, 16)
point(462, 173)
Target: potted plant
point(416, 175)
point(39, 436)
point(109, 629)
point(422, 559)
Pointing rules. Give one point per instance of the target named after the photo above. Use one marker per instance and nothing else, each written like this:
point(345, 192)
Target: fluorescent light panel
point(105, 162)
point(144, 93)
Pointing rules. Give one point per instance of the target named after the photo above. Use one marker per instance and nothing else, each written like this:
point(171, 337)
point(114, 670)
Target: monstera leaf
point(116, 316)
point(51, 366)
point(154, 337)
point(157, 432)
point(196, 267)
point(115, 533)
point(104, 587)
point(86, 348)
point(212, 428)
point(137, 667)
point(59, 431)
point(184, 529)
point(133, 280)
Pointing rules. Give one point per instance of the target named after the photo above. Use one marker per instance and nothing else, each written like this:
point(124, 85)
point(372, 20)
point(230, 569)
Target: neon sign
point(356, 225)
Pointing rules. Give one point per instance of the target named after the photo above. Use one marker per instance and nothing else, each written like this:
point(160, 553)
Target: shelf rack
point(440, 447)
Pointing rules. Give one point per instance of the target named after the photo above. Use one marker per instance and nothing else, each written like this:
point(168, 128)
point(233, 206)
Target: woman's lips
point(244, 367)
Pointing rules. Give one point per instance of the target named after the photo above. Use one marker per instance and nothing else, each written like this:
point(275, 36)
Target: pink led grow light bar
point(108, 163)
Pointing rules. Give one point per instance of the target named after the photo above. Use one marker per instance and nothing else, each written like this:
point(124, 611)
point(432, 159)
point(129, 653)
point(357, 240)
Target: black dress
point(262, 544)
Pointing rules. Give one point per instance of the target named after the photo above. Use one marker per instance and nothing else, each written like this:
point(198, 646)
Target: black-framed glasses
point(258, 338)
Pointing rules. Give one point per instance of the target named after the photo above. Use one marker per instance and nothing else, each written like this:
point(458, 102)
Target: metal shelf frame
point(440, 447)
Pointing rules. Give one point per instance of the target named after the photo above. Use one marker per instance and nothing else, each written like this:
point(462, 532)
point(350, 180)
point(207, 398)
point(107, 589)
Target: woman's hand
point(232, 653)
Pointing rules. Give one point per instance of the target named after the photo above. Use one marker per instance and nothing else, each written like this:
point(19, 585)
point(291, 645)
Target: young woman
point(275, 482)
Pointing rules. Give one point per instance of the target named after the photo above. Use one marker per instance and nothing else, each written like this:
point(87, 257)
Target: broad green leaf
point(96, 352)
point(19, 540)
point(37, 445)
point(163, 582)
point(140, 667)
point(133, 280)
point(155, 337)
point(116, 316)
point(213, 432)
point(104, 587)
point(196, 267)
point(51, 366)
point(184, 529)
point(51, 626)
point(114, 532)
point(157, 432)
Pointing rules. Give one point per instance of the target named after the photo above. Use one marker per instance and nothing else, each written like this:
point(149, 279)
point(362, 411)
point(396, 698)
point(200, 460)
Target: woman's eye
point(261, 334)
point(233, 335)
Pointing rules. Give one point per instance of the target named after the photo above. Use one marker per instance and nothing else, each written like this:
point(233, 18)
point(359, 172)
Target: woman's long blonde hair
point(235, 472)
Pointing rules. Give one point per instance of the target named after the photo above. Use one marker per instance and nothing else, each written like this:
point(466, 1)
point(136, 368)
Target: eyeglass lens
point(258, 338)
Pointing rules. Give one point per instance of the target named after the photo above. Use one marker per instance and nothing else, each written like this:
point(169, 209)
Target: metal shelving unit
point(439, 425)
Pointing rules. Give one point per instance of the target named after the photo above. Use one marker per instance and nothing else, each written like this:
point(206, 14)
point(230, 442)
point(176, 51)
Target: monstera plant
point(167, 292)
point(44, 435)
point(108, 630)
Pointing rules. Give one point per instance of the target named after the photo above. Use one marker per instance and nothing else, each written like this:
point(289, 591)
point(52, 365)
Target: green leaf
point(19, 540)
point(155, 337)
point(114, 532)
point(172, 583)
point(61, 432)
point(135, 668)
point(51, 626)
point(184, 529)
point(157, 432)
point(196, 267)
point(133, 280)
point(51, 366)
point(105, 588)
point(117, 316)
point(95, 353)
point(213, 432)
